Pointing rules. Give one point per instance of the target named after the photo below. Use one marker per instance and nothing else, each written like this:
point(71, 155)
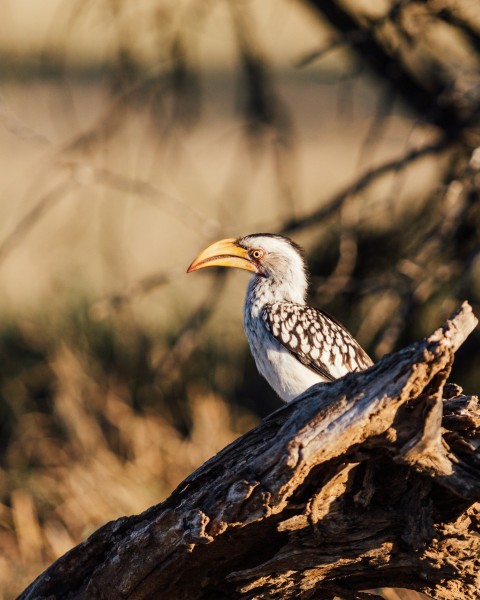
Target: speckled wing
point(316, 339)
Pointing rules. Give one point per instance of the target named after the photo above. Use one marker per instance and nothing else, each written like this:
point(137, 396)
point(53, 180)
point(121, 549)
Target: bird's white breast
point(287, 376)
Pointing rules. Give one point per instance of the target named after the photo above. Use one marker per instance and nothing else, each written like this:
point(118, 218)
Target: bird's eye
point(257, 254)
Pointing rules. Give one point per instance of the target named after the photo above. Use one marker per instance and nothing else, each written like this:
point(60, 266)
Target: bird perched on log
point(294, 345)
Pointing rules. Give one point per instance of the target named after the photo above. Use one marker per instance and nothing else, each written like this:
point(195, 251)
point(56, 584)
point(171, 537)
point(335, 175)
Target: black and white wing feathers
point(315, 338)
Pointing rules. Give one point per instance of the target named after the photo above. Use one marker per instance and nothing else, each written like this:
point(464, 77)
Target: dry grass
point(94, 458)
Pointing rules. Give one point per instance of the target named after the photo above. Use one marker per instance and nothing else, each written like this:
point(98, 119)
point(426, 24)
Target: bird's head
point(267, 256)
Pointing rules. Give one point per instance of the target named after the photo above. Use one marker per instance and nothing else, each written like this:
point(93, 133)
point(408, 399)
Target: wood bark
point(372, 480)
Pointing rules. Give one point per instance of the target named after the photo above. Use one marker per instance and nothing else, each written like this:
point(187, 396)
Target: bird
point(294, 345)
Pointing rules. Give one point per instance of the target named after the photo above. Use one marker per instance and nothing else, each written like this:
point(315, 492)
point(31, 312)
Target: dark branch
point(329, 208)
point(422, 97)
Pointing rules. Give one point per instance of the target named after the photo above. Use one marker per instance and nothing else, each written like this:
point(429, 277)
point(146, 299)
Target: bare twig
point(19, 127)
point(34, 215)
point(361, 184)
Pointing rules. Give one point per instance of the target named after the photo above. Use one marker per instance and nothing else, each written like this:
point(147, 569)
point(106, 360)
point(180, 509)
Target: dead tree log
point(370, 481)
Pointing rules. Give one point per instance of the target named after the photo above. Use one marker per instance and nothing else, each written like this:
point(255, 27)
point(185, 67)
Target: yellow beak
point(224, 253)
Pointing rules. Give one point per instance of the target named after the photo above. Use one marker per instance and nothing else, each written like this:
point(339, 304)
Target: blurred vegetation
point(135, 134)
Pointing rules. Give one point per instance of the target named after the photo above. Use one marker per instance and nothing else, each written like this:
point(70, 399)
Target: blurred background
point(133, 134)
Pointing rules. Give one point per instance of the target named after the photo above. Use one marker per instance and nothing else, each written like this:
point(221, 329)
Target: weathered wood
point(370, 481)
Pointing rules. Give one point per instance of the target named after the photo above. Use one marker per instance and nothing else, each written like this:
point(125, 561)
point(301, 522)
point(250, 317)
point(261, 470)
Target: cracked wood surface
point(369, 481)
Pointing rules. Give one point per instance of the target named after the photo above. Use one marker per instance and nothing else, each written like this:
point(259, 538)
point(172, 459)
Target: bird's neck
point(267, 290)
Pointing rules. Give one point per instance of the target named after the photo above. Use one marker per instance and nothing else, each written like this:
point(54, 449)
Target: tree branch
point(363, 182)
point(372, 480)
point(425, 98)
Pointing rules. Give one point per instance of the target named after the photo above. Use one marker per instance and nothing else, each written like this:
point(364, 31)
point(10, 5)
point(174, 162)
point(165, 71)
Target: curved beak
point(224, 253)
